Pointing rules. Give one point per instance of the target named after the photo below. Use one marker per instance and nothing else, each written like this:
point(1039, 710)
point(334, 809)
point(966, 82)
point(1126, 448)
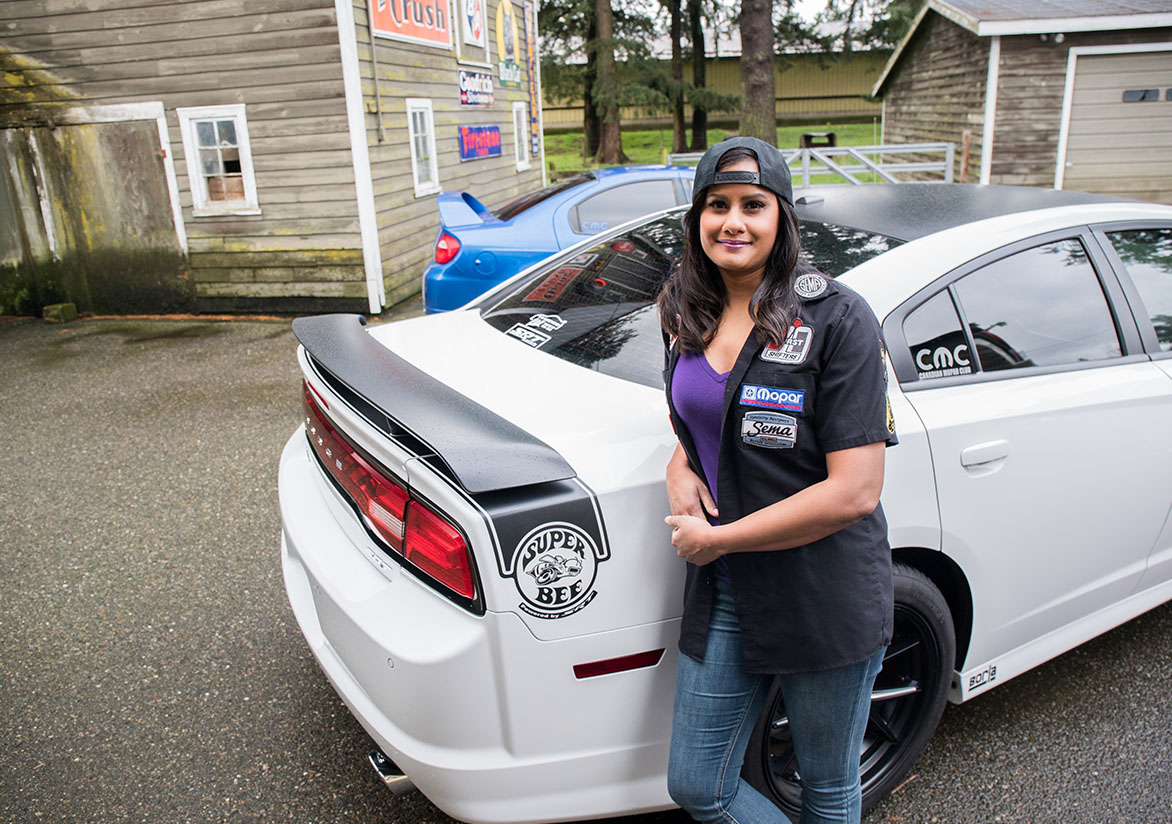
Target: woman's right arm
point(687, 494)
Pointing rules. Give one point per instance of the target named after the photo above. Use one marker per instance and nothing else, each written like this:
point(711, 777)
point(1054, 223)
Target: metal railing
point(849, 162)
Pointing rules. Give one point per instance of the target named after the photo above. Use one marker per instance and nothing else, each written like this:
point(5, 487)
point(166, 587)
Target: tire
point(906, 703)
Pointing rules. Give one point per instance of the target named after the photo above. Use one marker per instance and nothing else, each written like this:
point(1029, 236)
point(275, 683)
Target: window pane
point(936, 340)
point(1040, 307)
point(598, 309)
point(622, 203)
point(227, 132)
point(1147, 254)
point(209, 160)
point(205, 130)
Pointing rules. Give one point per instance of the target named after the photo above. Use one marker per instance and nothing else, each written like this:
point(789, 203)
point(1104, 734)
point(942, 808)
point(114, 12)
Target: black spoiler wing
point(483, 451)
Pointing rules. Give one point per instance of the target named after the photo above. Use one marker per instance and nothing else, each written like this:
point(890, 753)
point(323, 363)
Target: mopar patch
point(554, 567)
point(769, 429)
point(771, 397)
point(794, 350)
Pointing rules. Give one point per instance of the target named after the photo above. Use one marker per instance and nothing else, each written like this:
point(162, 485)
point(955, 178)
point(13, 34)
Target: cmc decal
point(943, 362)
point(554, 567)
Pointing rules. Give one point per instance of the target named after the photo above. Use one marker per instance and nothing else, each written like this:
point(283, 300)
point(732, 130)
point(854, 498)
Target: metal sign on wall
point(475, 88)
point(531, 69)
point(478, 142)
point(508, 45)
point(427, 22)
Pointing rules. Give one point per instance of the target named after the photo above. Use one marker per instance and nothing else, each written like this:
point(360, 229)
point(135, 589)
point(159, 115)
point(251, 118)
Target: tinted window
point(936, 339)
point(515, 207)
point(1040, 307)
point(1147, 254)
point(598, 309)
point(622, 203)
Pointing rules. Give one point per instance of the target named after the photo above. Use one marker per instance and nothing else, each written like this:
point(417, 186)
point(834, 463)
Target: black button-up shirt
point(829, 603)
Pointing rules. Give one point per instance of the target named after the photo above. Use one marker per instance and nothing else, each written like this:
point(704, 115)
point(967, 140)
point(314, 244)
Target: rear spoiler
point(483, 451)
point(461, 209)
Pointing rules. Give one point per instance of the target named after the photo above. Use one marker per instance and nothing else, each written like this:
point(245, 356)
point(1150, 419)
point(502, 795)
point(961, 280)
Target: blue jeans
point(716, 705)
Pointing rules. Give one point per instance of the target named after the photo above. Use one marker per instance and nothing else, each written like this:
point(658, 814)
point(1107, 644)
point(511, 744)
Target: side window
point(421, 131)
point(620, 204)
point(1040, 307)
point(936, 339)
point(1147, 254)
point(219, 160)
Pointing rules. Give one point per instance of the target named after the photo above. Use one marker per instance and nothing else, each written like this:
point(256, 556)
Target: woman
point(776, 383)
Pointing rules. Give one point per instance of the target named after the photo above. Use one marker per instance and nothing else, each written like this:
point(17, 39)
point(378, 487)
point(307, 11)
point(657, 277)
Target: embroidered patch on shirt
point(810, 285)
point(769, 430)
point(771, 397)
point(794, 350)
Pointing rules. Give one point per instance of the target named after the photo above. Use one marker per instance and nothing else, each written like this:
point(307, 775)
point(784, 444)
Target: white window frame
point(418, 104)
point(521, 135)
point(201, 205)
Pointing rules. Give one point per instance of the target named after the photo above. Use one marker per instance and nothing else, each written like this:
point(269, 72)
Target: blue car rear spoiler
point(461, 209)
point(483, 451)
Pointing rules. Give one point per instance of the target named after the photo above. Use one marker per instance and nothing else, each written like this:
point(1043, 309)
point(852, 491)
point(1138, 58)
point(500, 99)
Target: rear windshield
point(515, 207)
point(597, 309)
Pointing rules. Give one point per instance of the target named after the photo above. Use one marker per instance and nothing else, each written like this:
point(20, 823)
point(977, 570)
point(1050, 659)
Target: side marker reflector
point(639, 660)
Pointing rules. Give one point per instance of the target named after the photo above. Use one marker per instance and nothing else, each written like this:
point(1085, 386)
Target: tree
point(679, 140)
point(758, 109)
point(607, 92)
point(699, 80)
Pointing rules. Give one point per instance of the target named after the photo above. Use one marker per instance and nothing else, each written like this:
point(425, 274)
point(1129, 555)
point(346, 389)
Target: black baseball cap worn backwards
point(773, 171)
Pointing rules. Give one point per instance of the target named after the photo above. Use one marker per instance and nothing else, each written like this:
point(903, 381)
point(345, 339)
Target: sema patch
point(770, 430)
point(770, 397)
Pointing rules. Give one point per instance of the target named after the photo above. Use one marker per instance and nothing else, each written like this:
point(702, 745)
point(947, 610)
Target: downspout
point(990, 107)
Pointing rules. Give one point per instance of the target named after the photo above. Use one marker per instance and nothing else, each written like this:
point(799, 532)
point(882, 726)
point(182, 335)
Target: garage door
point(1120, 137)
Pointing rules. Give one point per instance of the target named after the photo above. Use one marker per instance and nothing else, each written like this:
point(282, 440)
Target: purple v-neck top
point(697, 392)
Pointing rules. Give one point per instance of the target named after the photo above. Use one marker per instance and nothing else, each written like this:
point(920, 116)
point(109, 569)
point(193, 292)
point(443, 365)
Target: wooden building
point(1065, 93)
point(251, 155)
point(809, 87)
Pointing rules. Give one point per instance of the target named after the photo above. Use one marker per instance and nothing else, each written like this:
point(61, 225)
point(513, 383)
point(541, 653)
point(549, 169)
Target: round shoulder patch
point(810, 285)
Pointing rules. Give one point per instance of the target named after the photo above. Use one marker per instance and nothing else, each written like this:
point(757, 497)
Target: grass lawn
point(563, 152)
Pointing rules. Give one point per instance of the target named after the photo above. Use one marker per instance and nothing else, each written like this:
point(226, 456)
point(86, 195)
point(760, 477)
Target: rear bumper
point(489, 722)
point(445, 287)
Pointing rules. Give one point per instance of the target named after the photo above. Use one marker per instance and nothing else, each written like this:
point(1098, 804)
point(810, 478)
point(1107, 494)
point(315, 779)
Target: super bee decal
point(554, 568)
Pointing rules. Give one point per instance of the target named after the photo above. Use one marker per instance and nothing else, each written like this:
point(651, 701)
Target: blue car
point(477, 248)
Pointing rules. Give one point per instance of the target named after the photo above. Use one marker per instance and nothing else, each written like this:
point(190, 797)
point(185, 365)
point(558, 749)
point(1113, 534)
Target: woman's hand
point(693, 538)
point(687, 494)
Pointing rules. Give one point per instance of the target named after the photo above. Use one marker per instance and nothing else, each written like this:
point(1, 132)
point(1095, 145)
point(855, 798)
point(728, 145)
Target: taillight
point(446, 248)
point(437, 548)
point(408, 526)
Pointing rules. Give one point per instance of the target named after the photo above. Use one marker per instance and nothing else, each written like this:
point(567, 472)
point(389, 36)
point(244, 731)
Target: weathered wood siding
point(808, 87)
point(408, 224)
point(279, 57)
point(936, 92)
point(1030, 89)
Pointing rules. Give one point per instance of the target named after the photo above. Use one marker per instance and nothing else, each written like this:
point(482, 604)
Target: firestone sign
point(428, 22)
point(477, 142)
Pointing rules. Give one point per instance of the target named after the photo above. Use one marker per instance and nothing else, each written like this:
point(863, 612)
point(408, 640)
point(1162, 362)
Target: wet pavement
point(151, 670)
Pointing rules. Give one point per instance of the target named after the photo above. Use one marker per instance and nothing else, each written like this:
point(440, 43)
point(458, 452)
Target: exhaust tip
point(389, 772)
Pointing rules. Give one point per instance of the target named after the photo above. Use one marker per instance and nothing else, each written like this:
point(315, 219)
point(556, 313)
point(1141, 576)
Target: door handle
point(983, 454)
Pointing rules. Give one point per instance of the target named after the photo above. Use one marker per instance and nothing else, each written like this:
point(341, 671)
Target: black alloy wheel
point(906, 703)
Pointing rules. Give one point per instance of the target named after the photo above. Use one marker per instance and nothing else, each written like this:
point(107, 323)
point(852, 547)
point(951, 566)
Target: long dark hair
point(693, 298)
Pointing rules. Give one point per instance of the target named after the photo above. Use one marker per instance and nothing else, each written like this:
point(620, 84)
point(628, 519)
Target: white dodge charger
point(473, 539)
